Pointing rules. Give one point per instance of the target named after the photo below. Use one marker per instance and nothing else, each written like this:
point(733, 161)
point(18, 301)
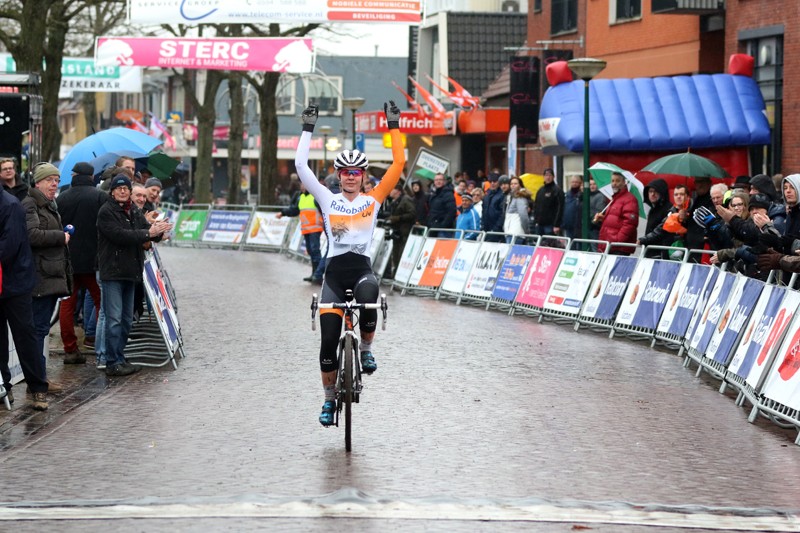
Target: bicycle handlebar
point(352, 305)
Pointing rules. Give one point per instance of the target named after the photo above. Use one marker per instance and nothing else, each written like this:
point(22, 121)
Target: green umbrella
point(687, 164)
point(159, 164)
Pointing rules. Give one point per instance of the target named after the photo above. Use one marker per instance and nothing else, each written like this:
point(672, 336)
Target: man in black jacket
point(493, 213)
point(16, 302)
point(10, 179)
point(78, 207)
point(441, 205)
point(548, 209)
point(122, 230)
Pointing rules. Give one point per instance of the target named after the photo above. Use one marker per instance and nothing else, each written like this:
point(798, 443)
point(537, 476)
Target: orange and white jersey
point(349, 225)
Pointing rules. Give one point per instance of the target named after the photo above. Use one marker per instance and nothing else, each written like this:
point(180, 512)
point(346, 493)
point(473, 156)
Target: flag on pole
point(460, 92)
point(511, 151)
point(136, 125)
point(437, 109)
point(414, 104)
point(601, 172)
point(157, 129)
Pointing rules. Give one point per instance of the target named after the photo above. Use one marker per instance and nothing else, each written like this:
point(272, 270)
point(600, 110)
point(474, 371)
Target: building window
point(625, 10)
point(564, 16)
point(325, 92)
point(537, 6)
point(284, 97)
point(768, 73)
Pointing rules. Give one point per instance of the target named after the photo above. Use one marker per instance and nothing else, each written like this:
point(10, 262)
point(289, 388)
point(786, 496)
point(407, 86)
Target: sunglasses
point(351, 172)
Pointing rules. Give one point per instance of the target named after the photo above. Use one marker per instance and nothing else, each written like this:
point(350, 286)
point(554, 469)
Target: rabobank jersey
point(349, 225)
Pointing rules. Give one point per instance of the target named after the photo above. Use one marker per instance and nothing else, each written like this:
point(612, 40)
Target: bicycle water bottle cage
point(348, 295)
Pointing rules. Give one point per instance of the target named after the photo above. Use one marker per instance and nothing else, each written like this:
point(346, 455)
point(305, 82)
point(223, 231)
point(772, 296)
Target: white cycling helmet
point(350, 159)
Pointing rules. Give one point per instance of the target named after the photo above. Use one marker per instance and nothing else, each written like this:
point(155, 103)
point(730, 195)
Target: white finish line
point(356, 505)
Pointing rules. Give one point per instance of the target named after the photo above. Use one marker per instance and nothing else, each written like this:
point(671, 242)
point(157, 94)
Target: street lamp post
point(353, 104)
point(586, 68)
point(325, 130)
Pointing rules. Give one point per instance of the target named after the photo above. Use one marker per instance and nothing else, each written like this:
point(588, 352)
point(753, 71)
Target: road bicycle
point(348, 382)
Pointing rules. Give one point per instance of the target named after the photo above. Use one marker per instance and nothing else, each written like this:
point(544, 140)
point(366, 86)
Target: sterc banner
point(736, 314)
point(647, 296)
point(264, 54)
point(190, 225)
point(686, 293)
point(611, 282)
point(511, 273)
point(456, 276)
point(572, 281)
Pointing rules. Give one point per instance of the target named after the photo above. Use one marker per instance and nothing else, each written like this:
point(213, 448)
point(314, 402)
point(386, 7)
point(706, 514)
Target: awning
point(658, 114)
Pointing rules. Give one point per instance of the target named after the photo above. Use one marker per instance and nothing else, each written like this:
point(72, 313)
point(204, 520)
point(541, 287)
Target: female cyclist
point(349, 218)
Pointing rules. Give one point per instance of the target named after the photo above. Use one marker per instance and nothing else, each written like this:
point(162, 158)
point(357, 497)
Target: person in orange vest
point(304, 206)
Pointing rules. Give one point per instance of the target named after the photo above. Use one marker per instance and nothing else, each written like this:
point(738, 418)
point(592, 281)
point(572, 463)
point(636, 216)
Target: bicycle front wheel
point(348, 390)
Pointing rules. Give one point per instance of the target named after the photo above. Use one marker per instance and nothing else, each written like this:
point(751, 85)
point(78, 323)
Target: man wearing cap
point(49, 243)
point(78, 206)
point(122, 230)
point(763, 184)
point(469, 220)
point(153, 186)
point(742, 184)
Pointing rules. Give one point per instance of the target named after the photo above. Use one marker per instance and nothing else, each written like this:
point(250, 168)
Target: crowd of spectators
point(58, 244)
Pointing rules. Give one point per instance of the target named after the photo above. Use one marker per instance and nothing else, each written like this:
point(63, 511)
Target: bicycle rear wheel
point(348, 390)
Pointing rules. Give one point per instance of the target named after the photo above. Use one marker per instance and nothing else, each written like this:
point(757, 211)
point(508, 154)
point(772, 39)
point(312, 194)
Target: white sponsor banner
point(708, 286)
point(572, 281)
point(408, 259)
point(772, 339)
point(267, 229)
point(422, 262)
point(190, 12)
point(783, 380)
point(456, 276)
point(712, 312)
point(298, 243)
point(378, 234)
point(482, 278)
point(635, 292)
point(602, 280)
point(745, 295)
point(80, 74)
point(13, 359)
point(683, 298)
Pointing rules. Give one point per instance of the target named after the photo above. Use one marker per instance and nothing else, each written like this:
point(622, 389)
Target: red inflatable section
point(734, 160)
point(742, 65)
point(558, 72)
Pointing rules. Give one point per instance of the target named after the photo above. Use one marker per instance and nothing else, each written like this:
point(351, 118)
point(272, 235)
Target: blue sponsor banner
point(761, 326)
point(235, 221)
point(511, 274)
point(656, 292)
point(688, 300)
point(618, 280)
point(713, 312)
point(738, 318)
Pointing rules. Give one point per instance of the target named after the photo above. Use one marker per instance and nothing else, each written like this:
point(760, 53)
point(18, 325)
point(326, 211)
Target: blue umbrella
point(119, 141)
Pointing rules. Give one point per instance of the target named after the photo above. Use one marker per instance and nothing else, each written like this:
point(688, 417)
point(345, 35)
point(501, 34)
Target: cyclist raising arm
point(349, 218)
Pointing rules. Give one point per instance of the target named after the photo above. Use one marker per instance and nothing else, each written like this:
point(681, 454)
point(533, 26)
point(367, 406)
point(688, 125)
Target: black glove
point(309, 117)
point(392, 114)
point(703, 216)
point(771, 260)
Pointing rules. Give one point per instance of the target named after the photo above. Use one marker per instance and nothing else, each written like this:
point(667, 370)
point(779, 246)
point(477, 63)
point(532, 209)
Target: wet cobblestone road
point(466, 404)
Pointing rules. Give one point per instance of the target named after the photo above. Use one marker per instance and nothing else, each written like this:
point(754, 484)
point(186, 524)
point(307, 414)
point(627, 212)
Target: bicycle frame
point(348, 381)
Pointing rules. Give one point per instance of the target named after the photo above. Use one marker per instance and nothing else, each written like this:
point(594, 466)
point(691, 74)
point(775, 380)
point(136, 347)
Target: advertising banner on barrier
point(298, 243)
point(14, 365)
point(378, 236)
point(610, 284)
point(783, 380)
point(572, 281)
point(226, 226)
point(160, 300)
point(456, 276)
point(713, 312)
point(422, 261)
point(408, 259)
point(512, 272)
point(190, 225)
point(540, 274)
point(266, 229)
point(646, 297)
point(437, 265)
point(711, 282)
point(683, 299)
point(734, 317)
point(482, 277)
point(770, 318)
